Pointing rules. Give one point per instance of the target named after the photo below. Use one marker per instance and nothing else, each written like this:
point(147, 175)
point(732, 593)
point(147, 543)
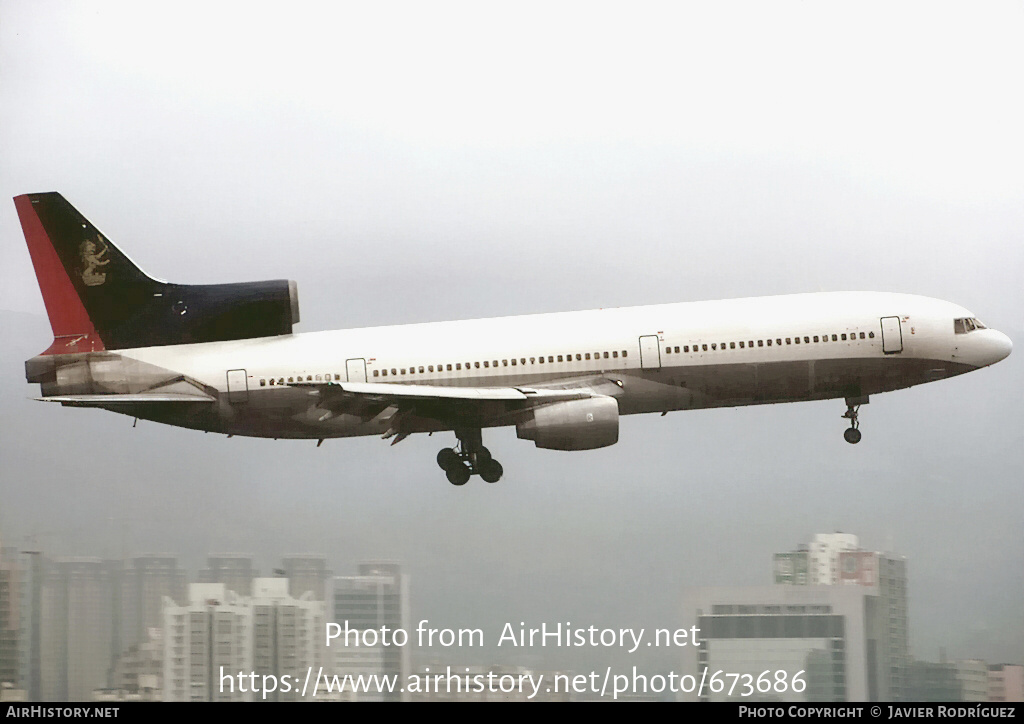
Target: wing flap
point(388, 391)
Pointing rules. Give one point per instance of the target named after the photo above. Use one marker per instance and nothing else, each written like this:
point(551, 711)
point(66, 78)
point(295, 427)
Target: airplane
point(225, 358)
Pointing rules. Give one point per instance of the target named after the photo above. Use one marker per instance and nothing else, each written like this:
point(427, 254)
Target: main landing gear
point(852, 433)
point(468, 458)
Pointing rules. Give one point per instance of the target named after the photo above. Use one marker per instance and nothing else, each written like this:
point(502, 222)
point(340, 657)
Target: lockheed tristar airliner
point(224, 357)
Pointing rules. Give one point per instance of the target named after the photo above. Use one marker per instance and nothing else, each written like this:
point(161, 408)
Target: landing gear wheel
point(483, 457)
point(852, 434)
point(491, 472)
point(458, 475)
point(448, 459)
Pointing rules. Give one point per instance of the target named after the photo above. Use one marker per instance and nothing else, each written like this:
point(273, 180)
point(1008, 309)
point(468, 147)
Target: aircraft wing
point(437, 392)
point(406, 405)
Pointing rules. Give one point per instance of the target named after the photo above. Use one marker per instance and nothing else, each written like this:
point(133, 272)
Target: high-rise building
point(145, 582)
point(973, 677)
point(930, 681)
point(10, 613)
point(837, 559)
point(203, 640)
point(816, 563)
point(1006, 682)
point(376, 598)
point(813, 641)
point(288, 635)
point(234, 570)
point(75, 629)
point(306, 573)
point(224, 647)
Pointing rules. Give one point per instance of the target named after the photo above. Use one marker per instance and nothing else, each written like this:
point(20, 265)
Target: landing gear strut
point(468, 458)
point(852, 433)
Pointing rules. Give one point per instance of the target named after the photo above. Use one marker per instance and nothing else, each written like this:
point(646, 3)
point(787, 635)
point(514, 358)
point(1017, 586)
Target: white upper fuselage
point(670, 356)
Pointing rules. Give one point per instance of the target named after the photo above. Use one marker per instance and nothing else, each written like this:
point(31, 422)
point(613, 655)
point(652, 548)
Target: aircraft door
point(356, 369)
point(238, 386)
point(892, 335)
point(650, 352)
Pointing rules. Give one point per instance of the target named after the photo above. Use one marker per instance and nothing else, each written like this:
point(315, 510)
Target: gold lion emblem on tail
point(93, 255)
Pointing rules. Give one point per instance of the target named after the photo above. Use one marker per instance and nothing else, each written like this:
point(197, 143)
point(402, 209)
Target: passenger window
point(714, 346)
point(871, 335)
point(513, 361)
point(559, 358)
point(486, 364)
point(403, 370)
point(588, 355)
point(779, 341)
point(522, 360)
point(815, 338)
point(579, 356)
point(668, 350)
point(760, 343)
point(280, 380)
point(732, 345)
point(625, 353)
point(796, 340)
point(376, 373)
point(551, 358)
point(532, 360)
point(494, 363)
point(750, 343)
point(836, 339)
point(705, 347)
point(458, 365)
point(540, 360)
point(421, 369)
point(263, 383)
point(615, 353)
point(862, 335)
point(318, 378)
point(430, 368)
point(606, 355)
point(806, 340)
point(448, 367)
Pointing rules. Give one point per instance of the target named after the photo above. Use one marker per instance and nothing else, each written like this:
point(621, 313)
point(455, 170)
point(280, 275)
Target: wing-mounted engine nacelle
point(573, 425)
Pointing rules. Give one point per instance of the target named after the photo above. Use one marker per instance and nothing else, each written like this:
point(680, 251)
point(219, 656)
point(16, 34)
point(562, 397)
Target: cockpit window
point(967, 324)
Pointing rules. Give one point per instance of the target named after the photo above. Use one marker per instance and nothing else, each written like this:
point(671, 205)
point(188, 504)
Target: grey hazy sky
point(416, 162)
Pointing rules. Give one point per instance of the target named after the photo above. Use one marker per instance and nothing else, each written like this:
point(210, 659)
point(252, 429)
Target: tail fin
point(97, 298)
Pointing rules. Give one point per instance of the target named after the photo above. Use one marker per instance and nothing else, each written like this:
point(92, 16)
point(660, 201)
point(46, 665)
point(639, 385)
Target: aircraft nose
point(1001, 347)
point(990, 346)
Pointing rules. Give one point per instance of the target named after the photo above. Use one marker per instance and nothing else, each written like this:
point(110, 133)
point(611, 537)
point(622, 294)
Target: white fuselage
point(664, 357)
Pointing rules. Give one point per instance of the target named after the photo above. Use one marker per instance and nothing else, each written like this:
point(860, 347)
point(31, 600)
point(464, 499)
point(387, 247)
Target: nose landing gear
point(852, 433)
point(469, 458)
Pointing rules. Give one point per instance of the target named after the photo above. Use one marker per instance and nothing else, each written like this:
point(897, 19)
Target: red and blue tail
point(97, 298)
